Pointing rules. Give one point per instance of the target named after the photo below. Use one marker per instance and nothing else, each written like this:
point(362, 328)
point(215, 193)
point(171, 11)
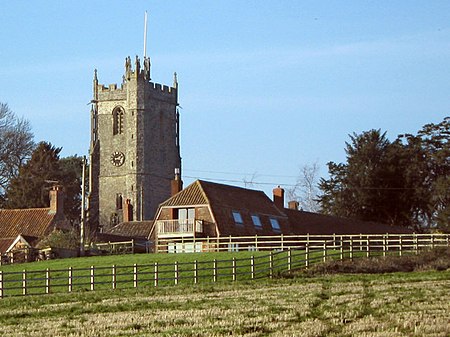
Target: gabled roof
point(7, 243)
point(132, 229)
point(30, 222)
point(191, 195)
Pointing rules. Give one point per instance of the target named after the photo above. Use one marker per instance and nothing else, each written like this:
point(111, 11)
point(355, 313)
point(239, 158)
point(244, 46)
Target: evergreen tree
point(31, 187)
point(406, 182)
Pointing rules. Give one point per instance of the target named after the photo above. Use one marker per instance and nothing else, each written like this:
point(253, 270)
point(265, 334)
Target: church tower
point(135, 148)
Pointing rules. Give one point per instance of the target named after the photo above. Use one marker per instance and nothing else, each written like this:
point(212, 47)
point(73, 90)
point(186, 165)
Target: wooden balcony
point(179, 228)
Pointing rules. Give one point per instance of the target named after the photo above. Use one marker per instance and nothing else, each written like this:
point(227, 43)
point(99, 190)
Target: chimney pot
point(176, 184)
point(278, 197)
point(293, 205)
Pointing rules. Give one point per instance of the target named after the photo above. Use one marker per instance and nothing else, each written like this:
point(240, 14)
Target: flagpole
point(145, 35)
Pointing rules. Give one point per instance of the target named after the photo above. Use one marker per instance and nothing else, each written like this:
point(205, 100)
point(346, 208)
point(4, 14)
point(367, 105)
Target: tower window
point(118, 201)
point(118, 116)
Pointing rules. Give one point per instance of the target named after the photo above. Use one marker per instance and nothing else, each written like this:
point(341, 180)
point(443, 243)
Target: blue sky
point(265, 86)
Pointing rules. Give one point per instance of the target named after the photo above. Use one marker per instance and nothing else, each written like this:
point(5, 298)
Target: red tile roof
point(32, 222)
point(224, 199)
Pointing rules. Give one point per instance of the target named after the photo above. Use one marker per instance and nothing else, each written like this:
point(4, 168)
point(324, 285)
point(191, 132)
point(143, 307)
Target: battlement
point(111, 87)
point(164, 88)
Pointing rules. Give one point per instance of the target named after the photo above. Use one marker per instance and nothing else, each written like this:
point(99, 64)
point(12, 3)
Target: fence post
point(195, 272)
point(334, 241)
point(47, 281)
point(282, 242)
point(271, 264)
point(70, 280)
point(218, 243)
point(432, 241)
point(367, 247)
point(400, 245)
point(156, 274)
point(324, 252)
point(176, 272)
point(256, 242)
point(92, 278)
point(1, 284)
point(341, 243)
point(416, 245)
point(384, 245)
point(215, 270)
point(351, 247)
point(24, 282)
point(135, 275)
point(289, 259)
point(114, 277)
point(307, 256)
point(234, 269)
point(252, 267)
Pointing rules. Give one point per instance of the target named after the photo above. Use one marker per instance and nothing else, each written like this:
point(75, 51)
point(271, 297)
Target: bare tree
point(250, 182)
point(16, 146)
point(306, 190)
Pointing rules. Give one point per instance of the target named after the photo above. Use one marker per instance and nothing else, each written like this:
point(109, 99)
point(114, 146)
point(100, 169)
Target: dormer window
point(237, 218)
point(118, 115)
point(257, 221)
point(275, 225)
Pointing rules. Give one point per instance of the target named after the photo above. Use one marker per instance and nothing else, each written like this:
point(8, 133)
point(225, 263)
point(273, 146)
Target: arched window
point(118, 115)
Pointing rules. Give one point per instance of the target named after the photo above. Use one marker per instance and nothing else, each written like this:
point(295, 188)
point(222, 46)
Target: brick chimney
point(127, 210)
point(278, 197)
point(293, 205)
point(176, 184)
point(56, 200)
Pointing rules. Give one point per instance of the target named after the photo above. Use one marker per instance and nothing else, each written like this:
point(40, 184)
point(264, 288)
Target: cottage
point(207, 210)
point(22, 229)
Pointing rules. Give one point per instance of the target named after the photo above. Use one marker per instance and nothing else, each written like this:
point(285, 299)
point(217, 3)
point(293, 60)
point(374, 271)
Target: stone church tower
point(135, 148)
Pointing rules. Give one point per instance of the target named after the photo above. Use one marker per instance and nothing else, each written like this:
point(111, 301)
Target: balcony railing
point(188, 227)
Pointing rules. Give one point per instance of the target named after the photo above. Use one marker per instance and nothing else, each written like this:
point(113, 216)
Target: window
point(118, 201)
point(275, 225)
point(257, 221)
point(118, 121)
point(186, 214)
point(237, 218)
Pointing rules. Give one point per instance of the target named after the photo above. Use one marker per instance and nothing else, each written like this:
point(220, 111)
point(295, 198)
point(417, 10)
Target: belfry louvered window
point(118, 116)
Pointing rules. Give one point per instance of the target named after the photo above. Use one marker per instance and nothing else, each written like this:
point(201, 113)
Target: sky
point(265, 87)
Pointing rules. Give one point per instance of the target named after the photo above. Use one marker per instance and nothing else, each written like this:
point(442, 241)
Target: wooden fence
point(361, 242)
point(259, 265)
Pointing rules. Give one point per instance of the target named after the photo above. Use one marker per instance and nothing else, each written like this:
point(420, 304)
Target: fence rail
point(259, 265)
point(282, 242)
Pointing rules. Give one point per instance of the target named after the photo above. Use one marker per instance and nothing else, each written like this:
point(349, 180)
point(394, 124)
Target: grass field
point(294, 304)
point(398, 304)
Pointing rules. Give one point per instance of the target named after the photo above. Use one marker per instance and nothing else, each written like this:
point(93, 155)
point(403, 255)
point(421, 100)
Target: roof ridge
point(24, 209)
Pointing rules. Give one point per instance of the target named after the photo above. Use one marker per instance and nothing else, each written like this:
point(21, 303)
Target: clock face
point(117, 158)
